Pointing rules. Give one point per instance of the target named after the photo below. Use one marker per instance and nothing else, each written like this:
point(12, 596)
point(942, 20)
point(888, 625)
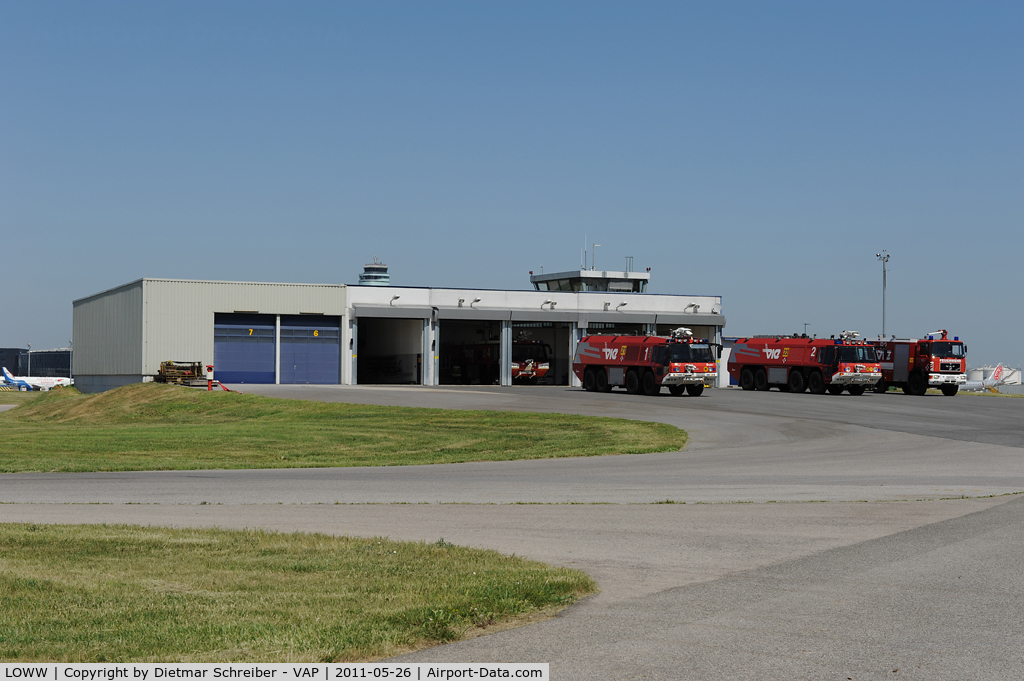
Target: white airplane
point(34, 382)
point(989, 383)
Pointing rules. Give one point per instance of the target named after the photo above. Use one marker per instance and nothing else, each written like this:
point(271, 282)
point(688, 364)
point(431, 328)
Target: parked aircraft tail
point(988, 384)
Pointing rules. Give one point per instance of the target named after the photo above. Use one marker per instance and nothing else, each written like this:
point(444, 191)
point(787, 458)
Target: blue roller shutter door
point(243, 348)
point(310, 349)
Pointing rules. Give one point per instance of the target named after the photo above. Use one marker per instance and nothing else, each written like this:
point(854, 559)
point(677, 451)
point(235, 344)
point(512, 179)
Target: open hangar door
point(310, 349)
point(470, 352)
point(389, 350)
point(535, 344)
point(243, 347)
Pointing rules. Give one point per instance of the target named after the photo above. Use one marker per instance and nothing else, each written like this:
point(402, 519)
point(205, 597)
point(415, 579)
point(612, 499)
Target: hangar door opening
point(470, 352)
point(389, 350)
point(540, 353)
point(243, 348)
point(310, 349)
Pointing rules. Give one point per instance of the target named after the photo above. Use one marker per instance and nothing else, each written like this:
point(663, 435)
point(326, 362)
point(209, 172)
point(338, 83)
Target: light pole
point(883, 257)
point(29, 359)
point(806, 324)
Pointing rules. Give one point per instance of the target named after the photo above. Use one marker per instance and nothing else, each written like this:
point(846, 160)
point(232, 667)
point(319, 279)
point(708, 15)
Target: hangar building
point(324, 333)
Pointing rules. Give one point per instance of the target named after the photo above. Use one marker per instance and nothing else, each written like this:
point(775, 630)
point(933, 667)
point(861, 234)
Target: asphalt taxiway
point(913, 564)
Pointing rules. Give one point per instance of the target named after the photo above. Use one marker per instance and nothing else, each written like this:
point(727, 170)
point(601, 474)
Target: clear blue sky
point(761, 151)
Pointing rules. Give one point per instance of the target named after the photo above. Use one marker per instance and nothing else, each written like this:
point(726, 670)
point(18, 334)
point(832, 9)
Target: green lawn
point(21, 397)
point(105, 593)
point(161, 427)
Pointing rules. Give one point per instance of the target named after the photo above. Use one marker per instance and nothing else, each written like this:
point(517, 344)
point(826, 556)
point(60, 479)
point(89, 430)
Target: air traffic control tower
point(375, 274)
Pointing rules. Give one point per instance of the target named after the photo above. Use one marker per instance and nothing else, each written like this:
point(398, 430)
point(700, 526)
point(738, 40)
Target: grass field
point(160, 427)
point(19, 397)
point(121, 593)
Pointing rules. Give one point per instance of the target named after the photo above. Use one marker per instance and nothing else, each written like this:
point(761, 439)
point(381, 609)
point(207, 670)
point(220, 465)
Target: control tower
point(375, 274)
point(622, 281)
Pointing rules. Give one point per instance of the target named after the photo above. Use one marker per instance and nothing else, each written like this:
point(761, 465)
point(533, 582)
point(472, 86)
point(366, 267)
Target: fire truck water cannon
point(915, 364)
point(643, 364)
point(798, 363)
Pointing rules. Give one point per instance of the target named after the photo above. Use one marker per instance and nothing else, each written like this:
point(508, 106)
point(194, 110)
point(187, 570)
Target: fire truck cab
point(916, 364)
point(645, 363)
point(531, 361)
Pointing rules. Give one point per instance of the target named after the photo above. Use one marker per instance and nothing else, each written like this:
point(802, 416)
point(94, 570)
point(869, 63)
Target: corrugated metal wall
point(179, 314)
point(107, 332)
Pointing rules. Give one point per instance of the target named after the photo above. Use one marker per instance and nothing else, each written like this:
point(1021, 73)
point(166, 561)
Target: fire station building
point(366, 334)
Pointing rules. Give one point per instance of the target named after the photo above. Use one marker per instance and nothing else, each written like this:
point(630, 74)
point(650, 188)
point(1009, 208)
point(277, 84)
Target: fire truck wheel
point(632, 382)
point(589, 380)
point(950, 390)
point(761, 380)
point(694, 390)
point(816, 383)
point(917, 384)
point(796, 381)
point(601, 380)
point(855, 389)
point(881, 387)
point(834, 389)
point(747, 379)
point(676, 390)
point(649, 384)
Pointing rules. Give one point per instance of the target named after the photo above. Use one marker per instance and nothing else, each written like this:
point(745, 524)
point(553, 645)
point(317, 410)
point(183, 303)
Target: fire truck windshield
point(947, 349)
point(690, 352)
point(856, 353)
point(538, 352)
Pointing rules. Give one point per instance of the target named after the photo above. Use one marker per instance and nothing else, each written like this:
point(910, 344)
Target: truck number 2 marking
point(611, 353)
point(770, 353)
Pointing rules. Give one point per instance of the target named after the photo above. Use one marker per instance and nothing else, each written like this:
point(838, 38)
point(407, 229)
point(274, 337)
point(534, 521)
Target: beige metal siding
point(107, 332)
point(179, 314)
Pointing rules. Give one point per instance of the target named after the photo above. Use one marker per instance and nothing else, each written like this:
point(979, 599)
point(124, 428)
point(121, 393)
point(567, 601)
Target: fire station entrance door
point(470, 352)
point(538, 343)
point(388, 350)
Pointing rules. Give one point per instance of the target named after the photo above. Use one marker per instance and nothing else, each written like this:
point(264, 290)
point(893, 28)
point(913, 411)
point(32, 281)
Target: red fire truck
point(797, 363)
point(645, 363)
point(531, 360)
point(915, 364)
